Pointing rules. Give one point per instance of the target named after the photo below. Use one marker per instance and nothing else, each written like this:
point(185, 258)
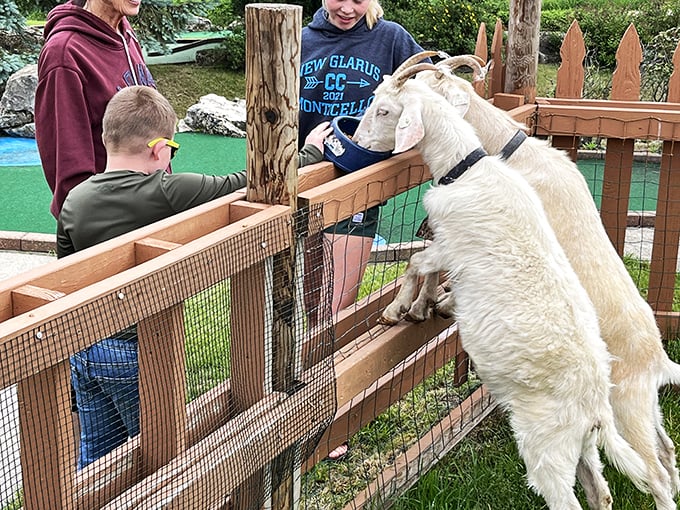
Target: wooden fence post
point(667, 220)
point(273, 33)
point(618, 163)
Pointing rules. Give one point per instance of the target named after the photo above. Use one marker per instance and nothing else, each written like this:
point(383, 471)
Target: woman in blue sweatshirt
point(346, 50)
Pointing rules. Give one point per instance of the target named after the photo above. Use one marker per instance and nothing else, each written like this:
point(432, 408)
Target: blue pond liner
point(16, 151)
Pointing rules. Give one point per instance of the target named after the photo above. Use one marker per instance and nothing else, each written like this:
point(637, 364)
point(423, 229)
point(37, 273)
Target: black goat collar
point(513, 144)
point(461, 167)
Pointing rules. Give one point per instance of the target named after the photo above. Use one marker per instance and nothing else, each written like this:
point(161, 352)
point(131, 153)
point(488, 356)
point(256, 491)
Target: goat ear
point(410, 129)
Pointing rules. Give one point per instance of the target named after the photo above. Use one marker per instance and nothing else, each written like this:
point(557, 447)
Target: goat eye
point(381, 112)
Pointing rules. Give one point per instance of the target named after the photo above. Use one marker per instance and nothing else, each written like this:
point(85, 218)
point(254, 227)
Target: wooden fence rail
point(44, 312)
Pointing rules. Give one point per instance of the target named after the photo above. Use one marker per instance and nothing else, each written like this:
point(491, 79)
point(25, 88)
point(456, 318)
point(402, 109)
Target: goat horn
point(405, 74)
point(414, 59)
point(472, 61)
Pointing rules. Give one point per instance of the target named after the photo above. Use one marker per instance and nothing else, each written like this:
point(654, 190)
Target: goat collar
point(513, 144)
point(461, 167)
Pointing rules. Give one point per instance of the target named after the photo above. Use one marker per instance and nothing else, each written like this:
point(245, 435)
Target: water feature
point(16, 151)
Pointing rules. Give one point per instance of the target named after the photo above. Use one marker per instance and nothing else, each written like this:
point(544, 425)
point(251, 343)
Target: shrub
point(449, 25)
point(657, 65)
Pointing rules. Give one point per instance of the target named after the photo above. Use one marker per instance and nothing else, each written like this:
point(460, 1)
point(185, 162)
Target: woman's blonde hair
point(373, 12)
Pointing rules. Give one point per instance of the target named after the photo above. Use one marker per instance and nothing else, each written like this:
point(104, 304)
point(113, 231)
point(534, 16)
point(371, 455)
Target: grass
point(183, 85)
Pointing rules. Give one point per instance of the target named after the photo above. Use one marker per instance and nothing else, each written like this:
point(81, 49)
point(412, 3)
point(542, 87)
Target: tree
point(16, 48)
point(521, 64)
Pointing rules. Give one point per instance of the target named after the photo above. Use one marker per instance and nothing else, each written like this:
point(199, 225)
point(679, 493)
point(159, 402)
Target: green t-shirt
point(110, 204)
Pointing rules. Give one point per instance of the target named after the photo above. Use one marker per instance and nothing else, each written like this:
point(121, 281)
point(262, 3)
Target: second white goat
point(523, 316)
point(627, 324)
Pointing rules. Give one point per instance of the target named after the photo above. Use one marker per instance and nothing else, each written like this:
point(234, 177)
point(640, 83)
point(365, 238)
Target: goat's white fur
point(627, 324)
point(523, 316)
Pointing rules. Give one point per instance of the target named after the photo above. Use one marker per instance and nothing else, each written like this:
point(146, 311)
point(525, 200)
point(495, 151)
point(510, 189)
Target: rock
point(216, 115)
point(17, 103)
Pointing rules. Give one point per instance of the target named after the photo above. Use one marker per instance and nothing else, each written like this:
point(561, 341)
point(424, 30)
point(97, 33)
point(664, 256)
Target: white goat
point(523, 316)
point(627, 324)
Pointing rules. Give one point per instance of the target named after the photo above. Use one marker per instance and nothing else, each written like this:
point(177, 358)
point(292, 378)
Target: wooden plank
point(608, 122)
point(378, 352)
point(508, 101)
point(666, 232)
point(430, 449)
point(116, 299)
point(481, 52)
point(150, 248)
point(497, 71)
point(626, 78)
point(47, 449)
point(616, 182)
point(570, 79)
point(372, 401)
point(356, 191)
point(618, 163)
point(162, 388)
point(667, 223)
point(570, 74)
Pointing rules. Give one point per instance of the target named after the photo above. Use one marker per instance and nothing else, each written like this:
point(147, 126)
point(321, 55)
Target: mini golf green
point(25, 207)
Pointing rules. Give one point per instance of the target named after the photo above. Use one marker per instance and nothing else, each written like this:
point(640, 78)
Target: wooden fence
point(146, 276)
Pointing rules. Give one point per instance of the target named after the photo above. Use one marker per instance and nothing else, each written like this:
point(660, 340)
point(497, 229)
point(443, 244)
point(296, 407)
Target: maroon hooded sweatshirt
point(83, 63)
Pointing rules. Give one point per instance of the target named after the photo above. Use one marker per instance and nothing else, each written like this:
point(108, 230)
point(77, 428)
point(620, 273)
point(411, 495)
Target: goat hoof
point(386, 321)
point(414, 318)
point(443, 314)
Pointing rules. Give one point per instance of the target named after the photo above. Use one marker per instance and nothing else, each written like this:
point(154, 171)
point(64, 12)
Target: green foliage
point(657, 65)
point(557, 20)
point(308, 6)
point(11, 19)
point(449, 25)
point(160, 21)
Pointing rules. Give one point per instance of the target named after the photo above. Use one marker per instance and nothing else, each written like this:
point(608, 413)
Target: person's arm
point(63, 133)
point(312, 151)
point(64, 244)
point(184, 191)
point(308, 155)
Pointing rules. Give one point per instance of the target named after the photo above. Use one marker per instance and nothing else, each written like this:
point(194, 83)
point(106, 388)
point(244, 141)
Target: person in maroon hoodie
point(90, 53)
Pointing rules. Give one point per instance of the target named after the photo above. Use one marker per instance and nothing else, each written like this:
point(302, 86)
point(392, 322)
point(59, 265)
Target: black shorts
point(362, 224)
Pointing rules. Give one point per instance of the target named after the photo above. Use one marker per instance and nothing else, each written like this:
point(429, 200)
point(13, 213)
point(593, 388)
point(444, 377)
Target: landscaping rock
point(216, 115)
point(17, 103)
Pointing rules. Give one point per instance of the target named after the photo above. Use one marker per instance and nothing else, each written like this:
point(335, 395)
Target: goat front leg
point(420, 309)
point(402, 303)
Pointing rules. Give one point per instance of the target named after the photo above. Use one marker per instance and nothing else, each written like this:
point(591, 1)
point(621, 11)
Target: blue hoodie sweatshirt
point(340, 69)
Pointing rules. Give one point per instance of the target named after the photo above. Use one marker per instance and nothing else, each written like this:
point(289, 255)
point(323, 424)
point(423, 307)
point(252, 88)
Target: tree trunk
point(521, 62)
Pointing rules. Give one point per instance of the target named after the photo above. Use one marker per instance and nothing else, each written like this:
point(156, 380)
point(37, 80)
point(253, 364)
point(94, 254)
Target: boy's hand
point(317, 135)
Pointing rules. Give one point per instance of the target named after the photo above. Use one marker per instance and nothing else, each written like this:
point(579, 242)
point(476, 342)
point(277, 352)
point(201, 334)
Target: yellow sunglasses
point(174, 146)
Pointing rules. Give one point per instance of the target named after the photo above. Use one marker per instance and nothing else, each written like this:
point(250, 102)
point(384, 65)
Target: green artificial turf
point(25, 207)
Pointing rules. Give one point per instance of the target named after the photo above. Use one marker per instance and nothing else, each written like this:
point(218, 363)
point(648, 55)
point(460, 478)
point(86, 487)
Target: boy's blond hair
point(373, 12)
point(134, 116)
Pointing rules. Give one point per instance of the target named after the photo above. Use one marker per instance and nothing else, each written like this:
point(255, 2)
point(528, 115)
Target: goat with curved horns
point(524, 318)
point(627, 323)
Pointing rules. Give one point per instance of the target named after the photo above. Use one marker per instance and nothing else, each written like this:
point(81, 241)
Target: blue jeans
point(105, 382)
